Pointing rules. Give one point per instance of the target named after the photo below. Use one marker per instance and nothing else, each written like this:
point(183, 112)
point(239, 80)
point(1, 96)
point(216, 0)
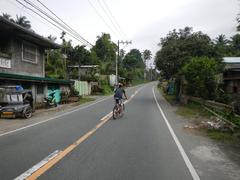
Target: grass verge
point(192, 110)
point(85, 100)
point(219, 135)
point(170, 98)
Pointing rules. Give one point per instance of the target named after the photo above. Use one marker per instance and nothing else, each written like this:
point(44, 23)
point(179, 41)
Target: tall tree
point(221, 45)
point(238, 22)
point(147, 55)
point(133, 59)
point(235, 45)
point(55, 66)
point(105, 50)
point(178, 47)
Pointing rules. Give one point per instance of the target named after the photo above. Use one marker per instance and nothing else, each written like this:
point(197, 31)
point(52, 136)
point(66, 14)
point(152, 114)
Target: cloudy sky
point(142, 21)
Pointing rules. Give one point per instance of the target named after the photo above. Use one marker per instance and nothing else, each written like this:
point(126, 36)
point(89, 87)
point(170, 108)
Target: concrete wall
point(19, 66)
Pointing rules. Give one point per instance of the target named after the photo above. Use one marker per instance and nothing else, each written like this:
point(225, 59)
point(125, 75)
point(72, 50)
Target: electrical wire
point(102, 17)
point(109, 17)
point(32, 15)
point(54, 20)
point(62, 21)
point(48, 20)
point(113, 17)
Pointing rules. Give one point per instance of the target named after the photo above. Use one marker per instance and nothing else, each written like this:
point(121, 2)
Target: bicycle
point(118, 110)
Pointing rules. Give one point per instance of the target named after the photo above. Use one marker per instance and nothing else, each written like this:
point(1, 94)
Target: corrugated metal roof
point(231, 60)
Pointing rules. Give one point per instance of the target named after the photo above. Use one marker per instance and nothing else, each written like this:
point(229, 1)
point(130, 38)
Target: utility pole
point(151, 71)
point(117, 57)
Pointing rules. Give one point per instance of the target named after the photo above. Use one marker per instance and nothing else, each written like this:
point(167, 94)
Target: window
point(39, 89)
point(235, 89)
point(29, 52)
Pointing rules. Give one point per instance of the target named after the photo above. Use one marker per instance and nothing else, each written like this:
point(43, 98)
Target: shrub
point(200, 74)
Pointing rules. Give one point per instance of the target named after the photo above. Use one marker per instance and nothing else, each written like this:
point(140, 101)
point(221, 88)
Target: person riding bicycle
point(119, 92)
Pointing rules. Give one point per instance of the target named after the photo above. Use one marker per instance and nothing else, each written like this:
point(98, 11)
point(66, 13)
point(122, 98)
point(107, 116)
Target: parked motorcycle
point(50, 100)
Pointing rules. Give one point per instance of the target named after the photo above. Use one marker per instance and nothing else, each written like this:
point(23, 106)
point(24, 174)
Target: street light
point(117, 57)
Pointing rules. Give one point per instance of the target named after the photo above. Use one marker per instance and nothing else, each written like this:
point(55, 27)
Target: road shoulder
point(211, 159)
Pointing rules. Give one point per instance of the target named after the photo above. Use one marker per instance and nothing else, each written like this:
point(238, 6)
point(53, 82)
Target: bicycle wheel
point(115, 112)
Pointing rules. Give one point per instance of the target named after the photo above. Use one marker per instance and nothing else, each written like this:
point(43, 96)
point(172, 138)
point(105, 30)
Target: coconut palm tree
point(22, 21)
point(147, 55)
point(7, 16)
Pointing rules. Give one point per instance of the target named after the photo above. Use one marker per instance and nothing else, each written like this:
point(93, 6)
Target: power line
point(110, 12)
point(57, 22)
point(32, 15)
point(62, 21)
point(102, 17)
point(109, 17)
point(47, 20)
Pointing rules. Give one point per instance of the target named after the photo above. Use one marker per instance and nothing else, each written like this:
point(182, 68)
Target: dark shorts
point(118, 100)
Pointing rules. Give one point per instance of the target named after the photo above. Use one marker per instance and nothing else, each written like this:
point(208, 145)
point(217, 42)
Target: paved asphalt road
point(137, 146)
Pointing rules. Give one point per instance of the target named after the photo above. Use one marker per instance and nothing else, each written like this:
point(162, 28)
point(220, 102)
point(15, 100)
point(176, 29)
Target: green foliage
point(83, 100)
point(106, 89)
point(221, 136)
point(80, 56)
point(200, 74)
point(192, 110)
point(235, 45)
point(55, 64)
point(105, 48)
point(147, 55)
point(179, 47)
point(221, 46)
point(105, 51)
point(133, 60)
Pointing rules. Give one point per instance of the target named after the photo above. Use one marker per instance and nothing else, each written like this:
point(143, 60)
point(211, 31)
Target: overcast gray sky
point(142, 21)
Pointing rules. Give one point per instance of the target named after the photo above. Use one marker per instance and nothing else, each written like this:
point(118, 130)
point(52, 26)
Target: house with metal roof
point(231, 75)
point(22, 59)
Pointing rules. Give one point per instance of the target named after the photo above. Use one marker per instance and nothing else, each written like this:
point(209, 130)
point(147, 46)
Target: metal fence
point(82, 87)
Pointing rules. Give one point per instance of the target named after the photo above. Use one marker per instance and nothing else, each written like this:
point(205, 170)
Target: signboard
point(5, 63)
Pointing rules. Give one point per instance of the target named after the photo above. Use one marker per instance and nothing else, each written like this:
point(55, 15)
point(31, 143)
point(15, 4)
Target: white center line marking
point(37, 166)
point(180, 148)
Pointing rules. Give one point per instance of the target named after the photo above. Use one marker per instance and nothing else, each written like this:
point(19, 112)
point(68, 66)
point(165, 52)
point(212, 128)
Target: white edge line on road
point(180, 148)
point(37, 166)
point(55, 117)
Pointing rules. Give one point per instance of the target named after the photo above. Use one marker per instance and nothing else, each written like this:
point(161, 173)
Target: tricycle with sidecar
point(15, 103)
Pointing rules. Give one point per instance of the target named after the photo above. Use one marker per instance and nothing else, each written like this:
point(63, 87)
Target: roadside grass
point(195, 110)
point(138, 81)
point(192, 110)
point(170, 98)
point(219, 135)
point(107, 90)
point(85, 100)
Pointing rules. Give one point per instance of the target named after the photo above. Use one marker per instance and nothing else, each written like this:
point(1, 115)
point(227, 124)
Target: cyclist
point(118, 93)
